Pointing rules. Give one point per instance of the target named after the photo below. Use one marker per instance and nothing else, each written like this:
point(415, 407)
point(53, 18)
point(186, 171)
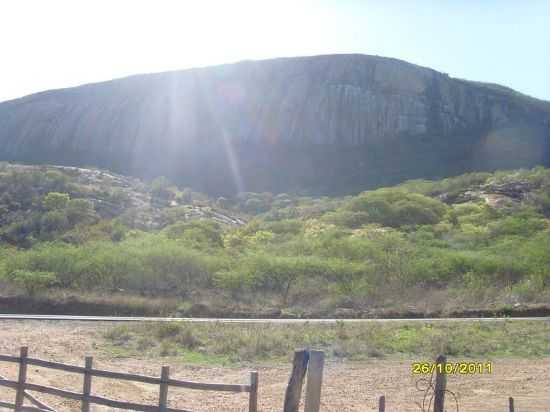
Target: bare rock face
point(327, 124)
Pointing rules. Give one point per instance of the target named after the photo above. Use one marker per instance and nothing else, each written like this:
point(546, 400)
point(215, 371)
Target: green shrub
point(286, 226)
point(53, 221)
point(81, 211)
point(520, 225)
point(198, 232)
point(56, 201)
point(32, 281)
point(396, 208)
point(348, 218)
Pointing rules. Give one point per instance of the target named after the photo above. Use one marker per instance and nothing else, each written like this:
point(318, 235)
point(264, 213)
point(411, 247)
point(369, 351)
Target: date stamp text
point(460, 368)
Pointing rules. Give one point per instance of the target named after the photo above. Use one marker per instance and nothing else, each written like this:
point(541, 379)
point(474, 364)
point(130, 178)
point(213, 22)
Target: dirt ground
point(348, 386)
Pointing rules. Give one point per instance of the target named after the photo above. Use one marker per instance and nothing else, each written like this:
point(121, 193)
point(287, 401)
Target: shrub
point(281, 273)
point(53, 221)
point(285, 226)
point(520, 225)
point(81, 211)
point(33, 282)
point(56, 201)
point(198, 232)
point(395, 208)
point(348, 218)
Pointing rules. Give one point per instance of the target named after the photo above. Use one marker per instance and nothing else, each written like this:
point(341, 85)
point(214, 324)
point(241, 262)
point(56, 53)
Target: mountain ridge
point(316, 124)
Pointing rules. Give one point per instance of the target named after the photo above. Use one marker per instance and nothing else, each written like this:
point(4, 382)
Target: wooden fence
point(306, 364)
point(21, 386)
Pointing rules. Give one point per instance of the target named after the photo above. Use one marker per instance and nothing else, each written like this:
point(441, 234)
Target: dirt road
point(348, 387)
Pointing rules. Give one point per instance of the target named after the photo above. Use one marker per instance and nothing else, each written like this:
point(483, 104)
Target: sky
point(62, 43)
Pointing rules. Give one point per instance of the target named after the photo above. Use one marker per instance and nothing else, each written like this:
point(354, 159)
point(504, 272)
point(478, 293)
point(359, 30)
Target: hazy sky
point(49, 44)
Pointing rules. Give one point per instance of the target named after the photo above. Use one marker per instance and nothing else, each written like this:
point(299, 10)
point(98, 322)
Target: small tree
point(56, 201)
point(81, 211)
point(32, 282)
point(53, 221)
point(199, 232)
point(118, 232)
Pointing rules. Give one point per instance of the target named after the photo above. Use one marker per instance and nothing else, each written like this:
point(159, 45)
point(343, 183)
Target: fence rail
point(86, 398)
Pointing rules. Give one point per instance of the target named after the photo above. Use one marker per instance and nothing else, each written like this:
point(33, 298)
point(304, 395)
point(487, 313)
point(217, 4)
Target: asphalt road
point(228, 320)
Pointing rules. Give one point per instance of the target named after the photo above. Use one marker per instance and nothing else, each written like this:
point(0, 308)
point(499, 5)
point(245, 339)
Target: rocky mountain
point(323, 124)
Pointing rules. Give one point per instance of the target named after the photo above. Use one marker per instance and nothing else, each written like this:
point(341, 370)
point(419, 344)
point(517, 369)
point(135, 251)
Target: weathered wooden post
point(296, 381)
point(33, 400)
point(511, 404)
point(382, 404)
point(87, 384)
point(163, 396)
point(440, 384)
point(20, 395)
point(253, 400)
point(314, 380)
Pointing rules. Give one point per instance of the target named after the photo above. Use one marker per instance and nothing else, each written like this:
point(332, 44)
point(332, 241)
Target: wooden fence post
point(314, 381)
point(253, 401)
point(20, 395)
point(440, 384)
point(382, 404)
point(511, 404)
point(163, 396)
point(87, 384)
point(296, 381)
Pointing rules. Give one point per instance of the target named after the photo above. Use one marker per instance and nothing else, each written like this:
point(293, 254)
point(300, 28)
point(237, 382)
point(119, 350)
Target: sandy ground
point(348, 386)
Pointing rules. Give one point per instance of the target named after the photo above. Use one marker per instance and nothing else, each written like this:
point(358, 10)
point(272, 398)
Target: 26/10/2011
point(461, 368)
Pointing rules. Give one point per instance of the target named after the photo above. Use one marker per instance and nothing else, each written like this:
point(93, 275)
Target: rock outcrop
point(328, 124)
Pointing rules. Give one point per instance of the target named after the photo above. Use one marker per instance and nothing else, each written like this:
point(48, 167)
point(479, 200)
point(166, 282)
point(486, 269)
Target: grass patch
point(219, 343)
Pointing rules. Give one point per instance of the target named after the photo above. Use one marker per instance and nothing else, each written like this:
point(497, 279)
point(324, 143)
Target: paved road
point(279, 321)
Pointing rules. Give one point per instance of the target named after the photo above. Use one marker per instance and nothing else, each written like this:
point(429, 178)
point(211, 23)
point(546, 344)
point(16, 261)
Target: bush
point(198, 232)
point(32, 281)
point(519, 225)
point(396, 208)
point(281, 274)
point(151, 264)
point(286, 226)
point(348, 218)
point(81, 211)
point(56, 201)
point(53, 221)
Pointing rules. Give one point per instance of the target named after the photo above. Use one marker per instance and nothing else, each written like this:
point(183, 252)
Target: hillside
point(90, 241)
point(335, 124)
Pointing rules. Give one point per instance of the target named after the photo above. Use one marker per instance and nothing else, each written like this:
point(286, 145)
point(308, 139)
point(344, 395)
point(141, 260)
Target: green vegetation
point(230, 343)
point(474, 241)
point(32, 282)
